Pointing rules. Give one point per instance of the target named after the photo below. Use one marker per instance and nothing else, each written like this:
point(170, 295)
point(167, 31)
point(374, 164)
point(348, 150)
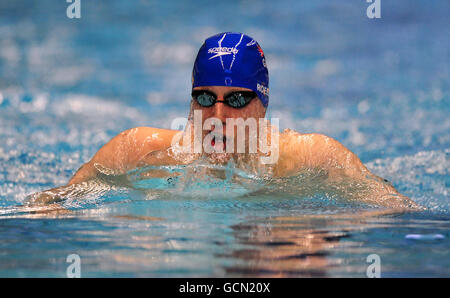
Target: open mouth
point(224, 142)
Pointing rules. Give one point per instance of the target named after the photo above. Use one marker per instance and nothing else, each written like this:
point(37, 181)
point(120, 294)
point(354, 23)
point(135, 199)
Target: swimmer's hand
point(59, 194)
point(42, 198)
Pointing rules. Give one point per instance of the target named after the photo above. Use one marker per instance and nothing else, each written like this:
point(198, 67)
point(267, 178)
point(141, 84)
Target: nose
point(220, 109)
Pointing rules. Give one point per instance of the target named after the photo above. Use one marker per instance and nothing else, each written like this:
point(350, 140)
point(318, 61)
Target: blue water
point(381, 87)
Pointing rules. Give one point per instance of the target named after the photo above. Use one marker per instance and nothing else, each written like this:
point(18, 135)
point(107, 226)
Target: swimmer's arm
point(123, 153)
point(119, 155)
point(317, 151)
point(58, 194)
point(114, 157)
point(87, 172)
point(310, 151)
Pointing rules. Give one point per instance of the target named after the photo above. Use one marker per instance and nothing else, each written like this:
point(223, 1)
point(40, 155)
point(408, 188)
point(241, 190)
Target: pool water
point(379, 86)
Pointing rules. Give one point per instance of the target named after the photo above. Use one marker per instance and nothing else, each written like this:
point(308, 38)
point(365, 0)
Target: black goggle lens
point(237, 99)
point(240, 98)
point(204, 98)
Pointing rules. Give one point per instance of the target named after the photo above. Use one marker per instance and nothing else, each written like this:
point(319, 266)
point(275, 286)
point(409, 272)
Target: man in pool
point(230, 81)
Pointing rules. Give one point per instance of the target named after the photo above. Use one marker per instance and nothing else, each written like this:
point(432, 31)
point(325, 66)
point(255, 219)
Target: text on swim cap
point(219, 51)
point(263, 89)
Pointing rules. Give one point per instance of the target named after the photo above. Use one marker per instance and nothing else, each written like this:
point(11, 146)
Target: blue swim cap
point(232, 59)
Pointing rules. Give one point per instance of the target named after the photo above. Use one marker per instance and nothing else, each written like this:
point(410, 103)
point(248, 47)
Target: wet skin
point(143, 146)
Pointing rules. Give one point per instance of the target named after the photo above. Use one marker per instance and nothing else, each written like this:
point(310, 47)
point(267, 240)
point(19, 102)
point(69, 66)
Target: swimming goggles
point(236, 99)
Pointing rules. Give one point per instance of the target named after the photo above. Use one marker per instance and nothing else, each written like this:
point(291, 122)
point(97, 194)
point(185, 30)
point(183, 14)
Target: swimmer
point(230, 81)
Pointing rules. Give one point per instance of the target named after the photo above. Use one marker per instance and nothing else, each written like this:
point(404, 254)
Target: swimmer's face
point(222, 111)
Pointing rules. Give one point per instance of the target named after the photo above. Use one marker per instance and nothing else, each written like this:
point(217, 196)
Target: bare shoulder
point(131, 144)
point(293, 142)
point(123, 151)
point(155, 137)
point(310, 150)
point(291, 138)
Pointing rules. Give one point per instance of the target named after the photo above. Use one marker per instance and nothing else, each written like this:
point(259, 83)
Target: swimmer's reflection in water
point(302, 246)
point(230, 81)
point(281, 250)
